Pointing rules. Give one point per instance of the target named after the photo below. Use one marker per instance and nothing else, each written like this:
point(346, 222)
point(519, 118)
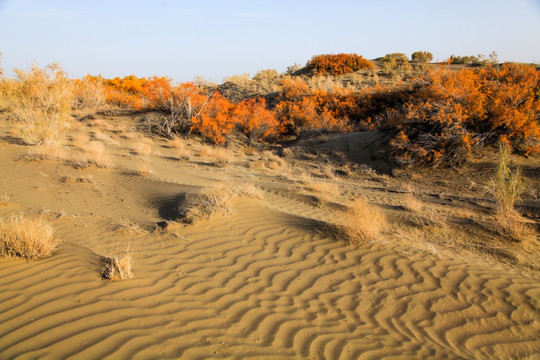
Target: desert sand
point(265, 281)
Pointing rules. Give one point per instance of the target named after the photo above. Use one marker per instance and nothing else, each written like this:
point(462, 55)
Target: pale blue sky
point(214, 39)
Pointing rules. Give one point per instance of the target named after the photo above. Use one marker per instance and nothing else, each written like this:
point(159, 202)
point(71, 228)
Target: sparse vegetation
point(40, 99)
point(215, 199)
point(117, 267)
point(507, 188)
point(27, 238)
point(361, 222)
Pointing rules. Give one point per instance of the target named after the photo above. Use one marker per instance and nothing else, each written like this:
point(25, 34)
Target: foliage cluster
point(396, 64)
point(338, 64)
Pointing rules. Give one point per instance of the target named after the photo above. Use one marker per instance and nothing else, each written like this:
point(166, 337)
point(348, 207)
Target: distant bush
point(338, 64)
point(396, 64)
point(422, 57)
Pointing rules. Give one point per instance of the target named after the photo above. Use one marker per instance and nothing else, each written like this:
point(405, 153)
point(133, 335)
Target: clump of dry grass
point(411, 203)
point(27, 238)
point(222, 157)
point(507, 188)
point(106, 138)
point(218, 156)
point(215, 199)
point(141, 148)
point(250, 190)
point(129, 226)
point(176, 143)
point(361, 222)
point(117, 267)
point(47, 152)
point(94, 153)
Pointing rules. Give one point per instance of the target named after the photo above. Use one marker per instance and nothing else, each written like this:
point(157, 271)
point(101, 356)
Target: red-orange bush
point(338, 64)
point(126, 92)
point(215, 120)
point(442, 119)
point(254, 120)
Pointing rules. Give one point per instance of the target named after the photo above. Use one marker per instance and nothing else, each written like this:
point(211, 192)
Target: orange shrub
point(338, 64)
point(215, 119)
point(444, 118)
point(254, 120)
point(127, 91)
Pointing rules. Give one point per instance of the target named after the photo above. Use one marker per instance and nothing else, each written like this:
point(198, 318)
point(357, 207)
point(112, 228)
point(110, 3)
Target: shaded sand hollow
point(263, 282)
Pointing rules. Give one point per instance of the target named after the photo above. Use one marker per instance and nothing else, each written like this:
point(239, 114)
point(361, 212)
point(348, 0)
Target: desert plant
point(338, 64)
point(27, 238)
point(215, 119)
point(422, 57)
point(117, 267)
point(361, 222)
point(89, 92)
point(93, 153)
point(177, 107)
point(40, 99)
point(254, 120)
point(215, 199)
point(507, 188)
point(396, 64)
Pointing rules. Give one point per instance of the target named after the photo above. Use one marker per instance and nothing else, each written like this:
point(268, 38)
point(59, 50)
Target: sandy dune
point(263, 282)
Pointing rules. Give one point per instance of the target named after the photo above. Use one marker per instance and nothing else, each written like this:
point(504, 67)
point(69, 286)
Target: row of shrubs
point(437, 118)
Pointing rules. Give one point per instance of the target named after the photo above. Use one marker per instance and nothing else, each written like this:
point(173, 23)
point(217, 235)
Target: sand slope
point(263, 282)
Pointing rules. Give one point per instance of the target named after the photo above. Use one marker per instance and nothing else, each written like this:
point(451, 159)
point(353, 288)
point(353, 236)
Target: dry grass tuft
point(215, 199)
point(361, 222)
point(176, 143)
point(27, 238)
point(94, 153)
point(222, 157)
point(47, 152)
point(218, 156)
point(117, 267)
point(128, 226)
point(250, 191)
point(411, 203)
point(513, 226)
point(507, 188)
point(141, 148)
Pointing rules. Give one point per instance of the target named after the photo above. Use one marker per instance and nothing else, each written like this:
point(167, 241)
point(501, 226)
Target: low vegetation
point(361, 222)
point(117, 267)
point(215, 199)
point(27, 238)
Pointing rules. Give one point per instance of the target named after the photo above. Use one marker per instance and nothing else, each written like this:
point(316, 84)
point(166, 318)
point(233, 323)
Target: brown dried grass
point(27, 238)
